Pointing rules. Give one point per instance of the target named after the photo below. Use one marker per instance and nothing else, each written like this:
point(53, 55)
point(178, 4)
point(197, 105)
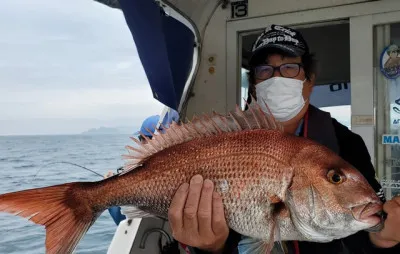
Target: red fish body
point(275, 186)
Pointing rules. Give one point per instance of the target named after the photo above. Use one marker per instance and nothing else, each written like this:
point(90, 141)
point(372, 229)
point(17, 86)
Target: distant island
point(129, 130)
point(110, 130)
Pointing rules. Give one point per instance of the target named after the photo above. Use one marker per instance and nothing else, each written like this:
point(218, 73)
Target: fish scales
point(274, 186)
point(253, 173)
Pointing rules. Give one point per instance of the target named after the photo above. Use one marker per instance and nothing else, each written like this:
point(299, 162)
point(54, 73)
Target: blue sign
point(390, 139)
point(390, 62)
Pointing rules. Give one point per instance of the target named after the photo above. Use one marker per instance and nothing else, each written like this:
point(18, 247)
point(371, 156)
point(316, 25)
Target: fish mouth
point(369, 213)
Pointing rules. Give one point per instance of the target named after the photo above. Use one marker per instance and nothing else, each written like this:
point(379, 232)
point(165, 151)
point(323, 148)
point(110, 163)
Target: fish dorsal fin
point(200, 126)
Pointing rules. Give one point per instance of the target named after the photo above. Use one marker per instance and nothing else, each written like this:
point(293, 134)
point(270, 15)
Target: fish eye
point(335, 176)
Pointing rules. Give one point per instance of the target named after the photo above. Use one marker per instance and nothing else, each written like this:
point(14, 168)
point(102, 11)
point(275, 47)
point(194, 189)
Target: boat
point(195, 55)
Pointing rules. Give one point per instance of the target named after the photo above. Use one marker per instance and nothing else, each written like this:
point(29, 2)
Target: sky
point(68, 66)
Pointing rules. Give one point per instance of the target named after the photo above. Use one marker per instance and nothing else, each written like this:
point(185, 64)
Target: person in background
point(170, 116)
point(282, 73)
point(149, 123)
point(115, 211)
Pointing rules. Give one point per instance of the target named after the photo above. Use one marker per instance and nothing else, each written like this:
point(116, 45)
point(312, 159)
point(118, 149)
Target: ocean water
point(21, 157)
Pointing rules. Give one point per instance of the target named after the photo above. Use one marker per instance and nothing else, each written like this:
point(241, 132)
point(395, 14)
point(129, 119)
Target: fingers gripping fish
point(270, 182)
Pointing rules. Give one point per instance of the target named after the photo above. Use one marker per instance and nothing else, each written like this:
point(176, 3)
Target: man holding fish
point(282, 76)
point(281, 171)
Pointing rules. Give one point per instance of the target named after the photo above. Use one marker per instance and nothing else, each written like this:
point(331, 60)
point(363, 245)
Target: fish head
point(328, 198)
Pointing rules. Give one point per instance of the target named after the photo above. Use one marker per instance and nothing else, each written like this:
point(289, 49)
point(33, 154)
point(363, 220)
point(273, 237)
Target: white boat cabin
point(351, 39)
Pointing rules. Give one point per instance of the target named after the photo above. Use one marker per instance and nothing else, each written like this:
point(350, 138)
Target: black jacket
point(351, 147)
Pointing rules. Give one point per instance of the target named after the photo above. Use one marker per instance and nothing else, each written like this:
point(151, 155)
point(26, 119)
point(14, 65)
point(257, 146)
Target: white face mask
point(282, 95)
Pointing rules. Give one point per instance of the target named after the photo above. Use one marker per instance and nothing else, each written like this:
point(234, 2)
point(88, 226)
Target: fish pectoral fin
point(260, 246)
point(132, 212)
point(250, 245)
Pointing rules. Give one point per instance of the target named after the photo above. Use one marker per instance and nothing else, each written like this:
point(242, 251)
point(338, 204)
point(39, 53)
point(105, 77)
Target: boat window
point(341, 113)
point(334, 98)
point(244, 87)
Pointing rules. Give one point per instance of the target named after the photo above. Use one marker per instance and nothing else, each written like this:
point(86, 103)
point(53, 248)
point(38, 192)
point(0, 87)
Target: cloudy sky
point(67, 66)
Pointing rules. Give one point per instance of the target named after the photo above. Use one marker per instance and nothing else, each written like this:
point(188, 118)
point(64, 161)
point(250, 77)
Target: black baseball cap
point(280, 37)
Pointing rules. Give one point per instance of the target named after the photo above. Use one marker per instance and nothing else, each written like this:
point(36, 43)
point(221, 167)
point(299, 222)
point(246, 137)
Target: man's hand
point(197, 216)
point(390, 234)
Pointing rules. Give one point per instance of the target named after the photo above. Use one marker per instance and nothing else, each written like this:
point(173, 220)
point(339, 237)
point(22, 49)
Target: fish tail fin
point(64, 210)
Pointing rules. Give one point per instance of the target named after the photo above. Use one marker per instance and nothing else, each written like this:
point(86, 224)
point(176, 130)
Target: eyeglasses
point(289, 70)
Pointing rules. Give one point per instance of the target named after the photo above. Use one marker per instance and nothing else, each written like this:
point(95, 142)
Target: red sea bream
point(275, 186)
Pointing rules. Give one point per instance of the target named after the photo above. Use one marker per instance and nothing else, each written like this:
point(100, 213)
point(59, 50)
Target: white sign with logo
point(390, 62)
